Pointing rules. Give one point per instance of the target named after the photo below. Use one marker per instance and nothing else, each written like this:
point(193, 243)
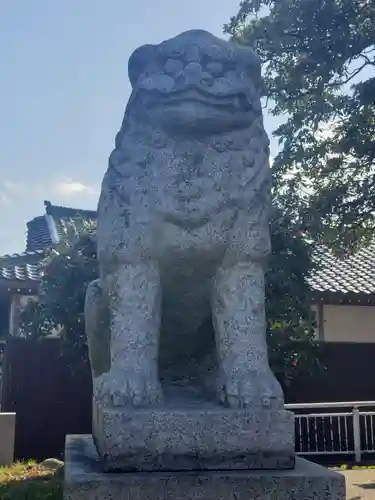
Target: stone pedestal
point(205, 438)
point(7, 431)
point(85, 480)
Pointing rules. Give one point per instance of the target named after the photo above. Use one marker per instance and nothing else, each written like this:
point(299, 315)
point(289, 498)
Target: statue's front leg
point(134, 299)
point(238, 310)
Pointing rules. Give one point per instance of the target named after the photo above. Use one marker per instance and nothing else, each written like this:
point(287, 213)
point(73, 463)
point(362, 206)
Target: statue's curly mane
point(140, 145)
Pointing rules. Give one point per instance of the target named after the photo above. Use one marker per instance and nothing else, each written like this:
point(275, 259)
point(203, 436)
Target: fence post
point(357, 434)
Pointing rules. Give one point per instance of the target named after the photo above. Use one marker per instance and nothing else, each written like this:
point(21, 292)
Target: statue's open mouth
point(234, 102)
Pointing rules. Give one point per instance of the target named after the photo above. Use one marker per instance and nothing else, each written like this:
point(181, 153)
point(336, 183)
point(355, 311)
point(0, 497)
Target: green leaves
point(319, 73)
point(67, 270)
point(290, 319)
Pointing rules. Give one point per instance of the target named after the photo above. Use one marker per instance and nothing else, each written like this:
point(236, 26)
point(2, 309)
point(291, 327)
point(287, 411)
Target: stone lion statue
point(183, 233)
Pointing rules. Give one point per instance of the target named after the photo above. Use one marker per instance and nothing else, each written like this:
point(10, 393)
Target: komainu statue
point(183, 233)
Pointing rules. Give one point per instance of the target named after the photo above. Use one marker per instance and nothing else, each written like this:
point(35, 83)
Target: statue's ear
point(251, 61)
point(139, 60)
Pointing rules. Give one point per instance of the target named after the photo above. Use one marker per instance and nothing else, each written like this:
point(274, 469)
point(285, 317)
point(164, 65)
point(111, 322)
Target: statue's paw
point(251, 388)
point(128, 388)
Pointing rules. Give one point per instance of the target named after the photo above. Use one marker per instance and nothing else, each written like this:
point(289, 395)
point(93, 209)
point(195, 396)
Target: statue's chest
point(188, 183)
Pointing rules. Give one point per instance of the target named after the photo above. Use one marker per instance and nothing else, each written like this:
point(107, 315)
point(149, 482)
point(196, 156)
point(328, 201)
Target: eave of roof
point(21, 270)
point(44, 230)
point(60, 212)
point(351, 278)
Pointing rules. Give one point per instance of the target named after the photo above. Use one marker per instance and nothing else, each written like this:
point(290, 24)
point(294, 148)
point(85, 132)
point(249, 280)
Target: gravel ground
point(360, 484)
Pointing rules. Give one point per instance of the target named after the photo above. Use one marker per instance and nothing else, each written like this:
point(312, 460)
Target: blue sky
point(63, 91)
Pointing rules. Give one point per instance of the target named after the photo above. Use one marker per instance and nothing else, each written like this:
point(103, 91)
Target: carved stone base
point(193, 439)
point(84, 480)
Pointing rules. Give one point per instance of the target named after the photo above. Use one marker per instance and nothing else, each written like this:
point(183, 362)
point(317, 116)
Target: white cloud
point(4, 200)
point(72, 188)
point(62, 187)
point(8, 190)
point(13, 187)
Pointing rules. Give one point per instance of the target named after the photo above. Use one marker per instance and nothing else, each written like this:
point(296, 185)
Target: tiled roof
point(353, 274)
point(348, 275)
point(44, 230)
point(67, 216)
point(38, 234)
point(21, 266)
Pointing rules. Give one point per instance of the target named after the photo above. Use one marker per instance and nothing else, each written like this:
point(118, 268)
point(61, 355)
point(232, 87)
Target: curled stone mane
point(140, 145)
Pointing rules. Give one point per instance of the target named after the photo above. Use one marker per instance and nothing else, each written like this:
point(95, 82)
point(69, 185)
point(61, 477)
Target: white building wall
point(345, 323)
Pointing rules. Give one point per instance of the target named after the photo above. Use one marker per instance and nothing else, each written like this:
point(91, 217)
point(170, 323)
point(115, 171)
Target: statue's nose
point(193, 73)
